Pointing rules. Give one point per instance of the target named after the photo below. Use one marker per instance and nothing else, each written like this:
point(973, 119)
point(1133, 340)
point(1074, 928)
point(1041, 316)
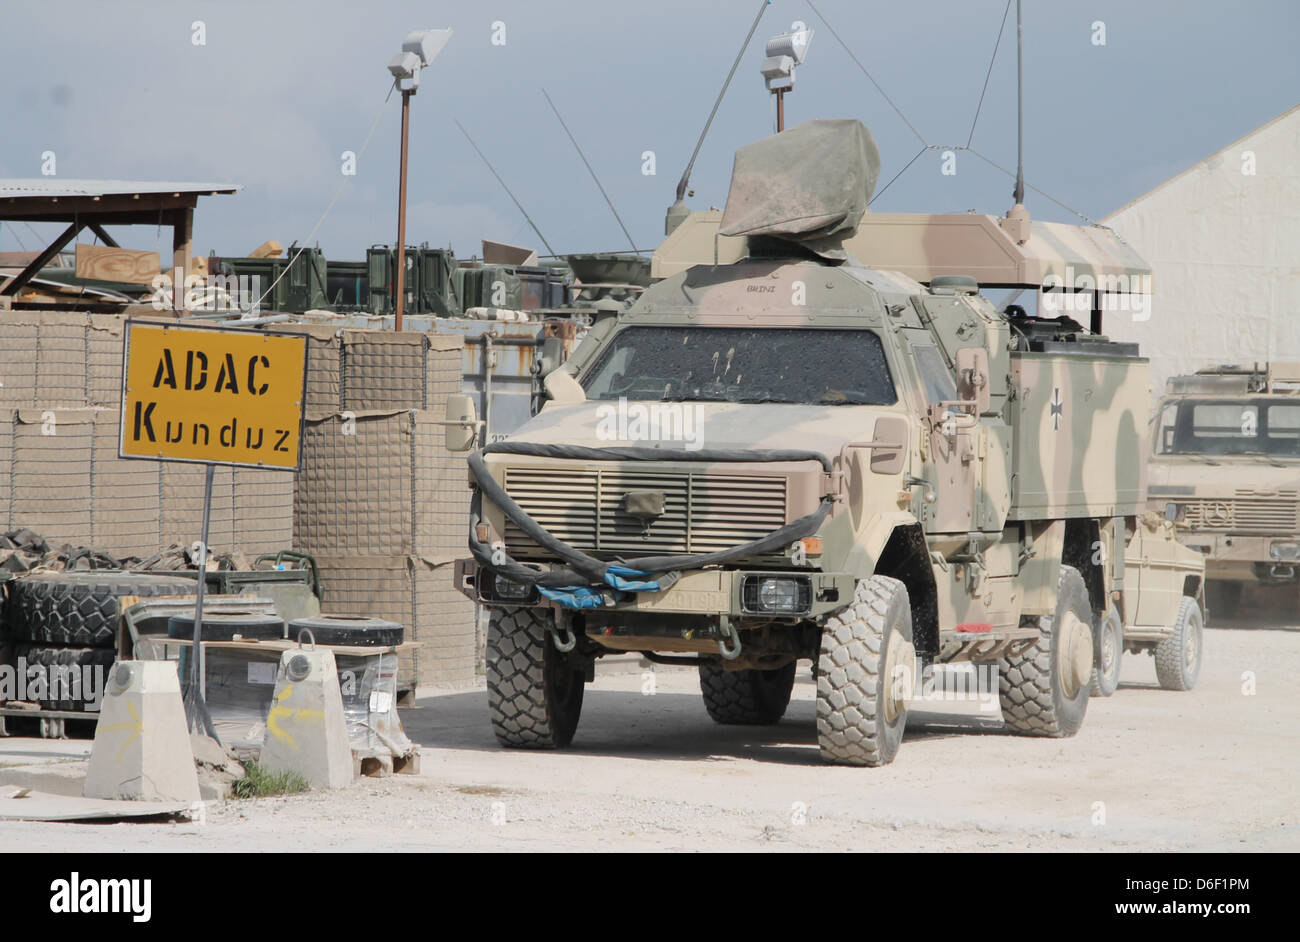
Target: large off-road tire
point(98, 660)
point(1178, 658)
point(1108, 653)
point(1044, 690)
point(81, 607)
point(746, 697)
point(861, 708)
point(534, 691)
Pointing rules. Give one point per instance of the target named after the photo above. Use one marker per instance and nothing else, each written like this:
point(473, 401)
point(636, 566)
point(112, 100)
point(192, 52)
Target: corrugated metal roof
point(48, 187)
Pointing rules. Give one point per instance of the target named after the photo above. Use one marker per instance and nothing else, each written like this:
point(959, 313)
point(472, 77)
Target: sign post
point(211, 396)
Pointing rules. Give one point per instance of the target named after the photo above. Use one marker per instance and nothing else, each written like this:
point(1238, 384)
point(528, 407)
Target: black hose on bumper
point(588, 570)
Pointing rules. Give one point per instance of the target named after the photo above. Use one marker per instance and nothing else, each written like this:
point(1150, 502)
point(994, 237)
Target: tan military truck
point(783, 454)
point(1225, 465)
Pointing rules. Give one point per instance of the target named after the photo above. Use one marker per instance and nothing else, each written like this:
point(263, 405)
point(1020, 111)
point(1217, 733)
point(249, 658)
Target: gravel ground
point(1213, 769)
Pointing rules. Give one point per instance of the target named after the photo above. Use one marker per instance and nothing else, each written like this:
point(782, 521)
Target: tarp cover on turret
point(809, 184)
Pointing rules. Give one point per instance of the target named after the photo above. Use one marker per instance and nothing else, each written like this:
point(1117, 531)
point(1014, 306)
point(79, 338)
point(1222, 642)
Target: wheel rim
point(897, 689)
point(1075, 645)
point(1111, 650)
point(1192, 649)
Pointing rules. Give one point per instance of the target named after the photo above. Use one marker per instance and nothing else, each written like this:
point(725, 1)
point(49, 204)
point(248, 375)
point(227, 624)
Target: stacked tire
point(70, 620)
point(349, 630)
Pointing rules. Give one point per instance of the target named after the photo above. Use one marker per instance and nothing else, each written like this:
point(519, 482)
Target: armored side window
point(1282, 429)
point(939, 384)
point(1165, 428)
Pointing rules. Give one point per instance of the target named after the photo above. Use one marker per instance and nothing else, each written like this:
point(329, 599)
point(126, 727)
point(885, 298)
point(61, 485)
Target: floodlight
point(426, 43)
point(405, 65)
point(784, 53)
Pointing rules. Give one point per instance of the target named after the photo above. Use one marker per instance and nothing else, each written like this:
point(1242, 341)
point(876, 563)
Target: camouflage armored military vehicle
point(790, 456)
point(1225, 464)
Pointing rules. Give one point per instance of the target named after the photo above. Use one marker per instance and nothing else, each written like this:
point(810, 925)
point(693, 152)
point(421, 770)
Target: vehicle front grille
point(702, 511)
point(1246, 513)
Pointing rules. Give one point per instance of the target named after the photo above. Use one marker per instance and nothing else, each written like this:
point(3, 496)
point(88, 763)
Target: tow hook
point(729, 640)
point(562, 637)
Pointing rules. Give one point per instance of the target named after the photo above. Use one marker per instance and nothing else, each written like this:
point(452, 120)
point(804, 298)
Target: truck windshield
point(737, 364)
point(1232, 427)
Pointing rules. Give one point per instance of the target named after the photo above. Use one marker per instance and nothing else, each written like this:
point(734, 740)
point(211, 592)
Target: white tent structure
point(1223, 242)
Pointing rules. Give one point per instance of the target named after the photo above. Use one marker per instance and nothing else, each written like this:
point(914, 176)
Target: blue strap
point(580, 598)
point(614, 577)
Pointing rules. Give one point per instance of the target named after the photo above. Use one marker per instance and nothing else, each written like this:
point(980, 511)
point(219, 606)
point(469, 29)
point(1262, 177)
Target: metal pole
point(197, 702)
point(400, 302)
point(1020, 111)
point(780, 110)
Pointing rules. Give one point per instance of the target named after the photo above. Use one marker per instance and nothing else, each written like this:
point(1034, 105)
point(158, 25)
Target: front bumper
point(1246, 558)
point(732, 592)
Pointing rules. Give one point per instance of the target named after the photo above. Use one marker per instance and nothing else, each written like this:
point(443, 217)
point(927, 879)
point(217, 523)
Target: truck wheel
point(1109, 653)
point(534, 692)
point(1178, 658)
point(861, 707)
point(1044, 691)
point(80, 607)
point(746, 697)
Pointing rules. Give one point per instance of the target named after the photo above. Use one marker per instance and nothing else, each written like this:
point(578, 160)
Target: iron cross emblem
point(1058, 408)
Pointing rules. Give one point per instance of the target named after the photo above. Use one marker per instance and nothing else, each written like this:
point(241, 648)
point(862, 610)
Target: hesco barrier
point(378, 491)
point(384, 506)
point(60, 359)
point(62, 478)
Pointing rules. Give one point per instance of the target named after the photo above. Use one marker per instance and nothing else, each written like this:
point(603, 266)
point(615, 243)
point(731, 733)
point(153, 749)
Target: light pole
point(784, 53)
point(418, 51)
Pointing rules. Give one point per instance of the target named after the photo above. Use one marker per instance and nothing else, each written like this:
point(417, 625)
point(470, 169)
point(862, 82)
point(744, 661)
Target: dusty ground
point(1213, 769)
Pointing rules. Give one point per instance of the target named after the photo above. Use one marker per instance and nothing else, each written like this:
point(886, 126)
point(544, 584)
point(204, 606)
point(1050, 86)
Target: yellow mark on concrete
point(291, 714)
point(134, 728)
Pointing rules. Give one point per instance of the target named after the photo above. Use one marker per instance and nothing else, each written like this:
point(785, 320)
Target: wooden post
point(182, 237)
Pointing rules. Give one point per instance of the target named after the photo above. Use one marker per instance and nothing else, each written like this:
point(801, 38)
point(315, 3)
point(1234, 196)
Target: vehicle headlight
point(1174, 512)
point(778, 594)
point(1285, 551)
point(503, 588)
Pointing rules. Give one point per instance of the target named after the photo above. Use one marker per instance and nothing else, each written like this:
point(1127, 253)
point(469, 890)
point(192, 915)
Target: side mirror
point(551, 356)
point(893, 431)
point(563, 389)
point(973, 376)
point(461, 424)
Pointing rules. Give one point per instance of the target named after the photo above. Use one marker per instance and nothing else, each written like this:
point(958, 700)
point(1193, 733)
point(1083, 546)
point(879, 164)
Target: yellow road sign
point(213, 394)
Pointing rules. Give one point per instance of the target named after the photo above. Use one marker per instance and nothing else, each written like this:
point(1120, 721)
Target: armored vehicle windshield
point(1229, 427)
point(733, 364)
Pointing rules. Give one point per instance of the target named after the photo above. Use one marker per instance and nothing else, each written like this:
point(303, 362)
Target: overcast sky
point(281, 89)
